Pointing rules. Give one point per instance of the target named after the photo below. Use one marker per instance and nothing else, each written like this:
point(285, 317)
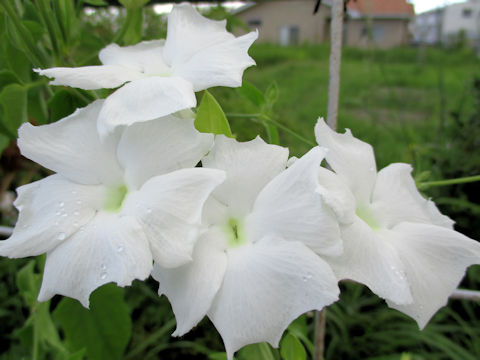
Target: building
point(381, 23)
point(449, 24)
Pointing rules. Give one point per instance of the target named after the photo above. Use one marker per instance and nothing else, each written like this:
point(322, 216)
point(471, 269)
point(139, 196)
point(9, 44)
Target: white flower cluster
point(243, 239)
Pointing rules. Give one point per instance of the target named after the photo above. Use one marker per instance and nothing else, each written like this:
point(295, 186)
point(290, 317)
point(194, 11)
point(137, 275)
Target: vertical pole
point(336, 28)
point(335, 61)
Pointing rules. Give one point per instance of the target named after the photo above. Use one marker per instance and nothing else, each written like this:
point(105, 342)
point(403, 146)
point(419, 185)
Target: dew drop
point(61, 236)
point(103, 267)
point(58, 213)
point(304, 278)
point(61, 204)
point(120, 249)
point(103, 275)
point(149, 211)
point(309, 276)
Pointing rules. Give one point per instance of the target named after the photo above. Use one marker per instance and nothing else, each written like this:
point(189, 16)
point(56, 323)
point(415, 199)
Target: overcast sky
point(424, 5)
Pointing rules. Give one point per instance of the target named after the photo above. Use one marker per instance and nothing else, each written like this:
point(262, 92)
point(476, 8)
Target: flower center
point(115, 198)
point(364, 213)
point(235, 232)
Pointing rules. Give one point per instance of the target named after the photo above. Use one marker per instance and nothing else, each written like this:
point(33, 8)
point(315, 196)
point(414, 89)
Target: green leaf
point(292, 349)
point(7, 77)
point(252, 93)
point(4, 142)
point(62, 104)
point(104, 330)
point(211, 118)
point(133, 4)
point(95, 2)
point(261, 351)
point(13, 101)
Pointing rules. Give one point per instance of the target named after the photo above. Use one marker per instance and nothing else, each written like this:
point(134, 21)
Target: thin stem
point(153, 338)
point(462, 180)
point(273, 122)
point(319, 335)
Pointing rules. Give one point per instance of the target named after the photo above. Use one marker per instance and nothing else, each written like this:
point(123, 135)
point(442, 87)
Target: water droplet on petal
point(61, 204)
point(309, 276)
point(149, 211)
point(103, 267)
point(120, 249)
point(61, 236)
point(58, 213)
point(103, 275)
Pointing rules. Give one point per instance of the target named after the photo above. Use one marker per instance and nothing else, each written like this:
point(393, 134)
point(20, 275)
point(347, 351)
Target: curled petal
point(290, 207)
point(266, 286)
point(72, 147)
point(192, 287)
point(156, 147)
point(249, 167)
point(91, 77)
point(51, 210)
point(143, 100)
point(396, 199)
point(219, 65)
point(371, 259)
point(169, 208)
point(145, 57)
point(337, 195)
point(108, 249)
point(435, 260)
point(350, 158)
point(189, 32)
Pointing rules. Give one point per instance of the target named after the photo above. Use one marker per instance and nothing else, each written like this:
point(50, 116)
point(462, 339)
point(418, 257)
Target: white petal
point(219, 65)
point(145, 57)
point(396, 199)
point(435, 260)
point(249, 166)
point(51, 210)
point(189, 32)
point(289, 207)
point(169, 208)
point(351, 158)
point(160, 146)
point(143, 100)
point(337, 195)
point(91, 77)
point(192, 287)
point(109, 249)
point(72, 147)
point(371, 259)
point(266, 286)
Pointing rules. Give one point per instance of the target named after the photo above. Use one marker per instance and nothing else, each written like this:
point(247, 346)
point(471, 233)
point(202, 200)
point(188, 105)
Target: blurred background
point(410, 86)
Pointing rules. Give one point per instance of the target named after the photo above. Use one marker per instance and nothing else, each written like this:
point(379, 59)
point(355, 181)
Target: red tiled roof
point(381, 7)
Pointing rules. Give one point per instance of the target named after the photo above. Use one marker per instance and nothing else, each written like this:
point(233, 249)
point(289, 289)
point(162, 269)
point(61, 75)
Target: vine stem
point(461, 180)
point(276, 123)
point(332, 114)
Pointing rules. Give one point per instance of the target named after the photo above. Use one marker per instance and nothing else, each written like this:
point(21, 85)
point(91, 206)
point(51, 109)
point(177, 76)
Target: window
point(466, 13)
point(289, 35)
point(254, 22)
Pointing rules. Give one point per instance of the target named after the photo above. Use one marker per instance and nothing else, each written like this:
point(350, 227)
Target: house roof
point(359, 8)
point(381, 7)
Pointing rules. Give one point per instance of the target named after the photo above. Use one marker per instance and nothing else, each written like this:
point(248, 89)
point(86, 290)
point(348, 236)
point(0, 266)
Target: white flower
point(162, 76)
point(113, 205)
point(254, 269)
point(395, 241)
